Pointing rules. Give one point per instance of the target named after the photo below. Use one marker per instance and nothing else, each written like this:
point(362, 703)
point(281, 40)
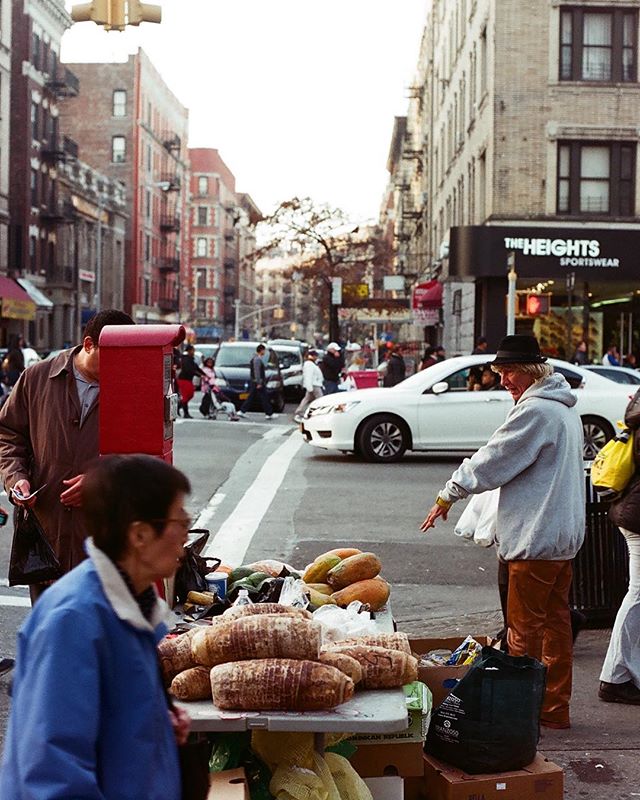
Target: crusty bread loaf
point(175, 655)
point(262, 636)
point(265, 608)
point(279, 684)
point(192, 684)
point(381, 668)
point(344, 663)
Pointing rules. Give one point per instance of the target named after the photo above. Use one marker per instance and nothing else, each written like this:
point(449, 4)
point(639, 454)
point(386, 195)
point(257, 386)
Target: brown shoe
point(619, 693)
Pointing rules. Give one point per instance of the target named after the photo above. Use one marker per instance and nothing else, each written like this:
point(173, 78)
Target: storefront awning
point(40, 299)
point(15, 303)
point(427, 295)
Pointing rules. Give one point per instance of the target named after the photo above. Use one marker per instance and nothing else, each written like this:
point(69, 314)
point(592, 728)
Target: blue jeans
point(330, 387)
point(261, 392)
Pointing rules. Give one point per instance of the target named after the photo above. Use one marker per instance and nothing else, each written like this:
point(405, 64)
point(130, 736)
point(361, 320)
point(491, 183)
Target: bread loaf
point(278, 684)
point(392, 641)
point(381, 668)
point(175, 655)
point(344, 663)
point(265, 608)
point(262, 636)
point(192, 684)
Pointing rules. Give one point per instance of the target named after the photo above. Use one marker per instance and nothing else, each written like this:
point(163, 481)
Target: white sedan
point(434, 411)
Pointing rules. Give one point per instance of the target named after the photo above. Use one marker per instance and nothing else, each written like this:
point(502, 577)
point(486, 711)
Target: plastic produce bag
point(342, 623)
point(490, 721)
point(478, 520)
point(293, 594)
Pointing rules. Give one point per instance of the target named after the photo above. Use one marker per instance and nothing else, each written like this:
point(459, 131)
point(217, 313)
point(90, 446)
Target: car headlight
point(315, 412)
point(220, 382)
point(274, 384)
point(343, 408)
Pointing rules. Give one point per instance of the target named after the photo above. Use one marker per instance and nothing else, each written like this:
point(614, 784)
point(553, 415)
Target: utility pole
point(236, 328)
point(511, 296)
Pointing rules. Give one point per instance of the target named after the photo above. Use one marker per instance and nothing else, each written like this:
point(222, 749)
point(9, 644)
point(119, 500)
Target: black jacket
point(188, 368)
point(625, 511)
point(331, 367)
point(257, 370)
point(396, 370)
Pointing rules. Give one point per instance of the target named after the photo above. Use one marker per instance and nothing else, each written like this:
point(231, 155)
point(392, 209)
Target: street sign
point(336, 291)
point(354, 291)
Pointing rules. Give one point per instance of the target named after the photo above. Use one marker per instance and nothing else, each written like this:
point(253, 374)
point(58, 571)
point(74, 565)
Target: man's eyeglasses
point(184, 522)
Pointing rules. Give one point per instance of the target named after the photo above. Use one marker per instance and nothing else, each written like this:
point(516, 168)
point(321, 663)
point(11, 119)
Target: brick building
point(135, 131)
point(523, 118)
point(222, 243)
point(37, 148)
point(5, 93)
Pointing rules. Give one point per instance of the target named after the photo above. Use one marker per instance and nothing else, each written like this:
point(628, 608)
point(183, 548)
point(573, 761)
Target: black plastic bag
point(190, 575)
point(490, 721)
point(32, 558)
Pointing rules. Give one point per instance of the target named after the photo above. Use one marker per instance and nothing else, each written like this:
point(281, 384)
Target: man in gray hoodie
point(535, 458)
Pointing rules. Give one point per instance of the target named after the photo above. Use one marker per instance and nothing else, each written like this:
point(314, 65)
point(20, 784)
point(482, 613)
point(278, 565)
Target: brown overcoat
point(41, 439)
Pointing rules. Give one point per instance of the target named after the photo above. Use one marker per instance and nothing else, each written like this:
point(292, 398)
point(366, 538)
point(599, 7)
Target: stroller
point(214, 402)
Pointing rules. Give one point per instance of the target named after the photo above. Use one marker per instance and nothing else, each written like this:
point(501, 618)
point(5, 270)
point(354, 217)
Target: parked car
point(433, 411)
point(617, 374)
point(290, 359)
point(233, 375)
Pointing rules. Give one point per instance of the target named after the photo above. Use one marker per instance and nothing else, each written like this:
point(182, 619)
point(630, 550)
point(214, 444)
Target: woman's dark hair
point(121, 489)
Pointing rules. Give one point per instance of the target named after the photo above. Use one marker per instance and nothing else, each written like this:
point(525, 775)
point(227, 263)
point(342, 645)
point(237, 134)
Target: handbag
point(190, 575)
point(613, 466)
point(32, 558)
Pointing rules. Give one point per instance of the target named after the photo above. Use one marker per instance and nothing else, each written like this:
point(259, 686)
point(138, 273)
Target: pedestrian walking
point(312, 381)
point(580, 355)
point(620, 676)
point(611, 358)
point(396, 370)
point(186, 373)
point(258, 384)
point(428, 358)
point(481, 346)
point(49, 436)
point(535, 458)
point(89, 714)
point(332, 367)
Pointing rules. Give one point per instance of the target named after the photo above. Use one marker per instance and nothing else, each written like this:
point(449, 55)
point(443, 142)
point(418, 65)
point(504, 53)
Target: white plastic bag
point(478, 520)
point(342, 623)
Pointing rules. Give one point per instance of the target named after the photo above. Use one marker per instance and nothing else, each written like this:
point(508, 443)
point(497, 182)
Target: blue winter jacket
point(89, 718)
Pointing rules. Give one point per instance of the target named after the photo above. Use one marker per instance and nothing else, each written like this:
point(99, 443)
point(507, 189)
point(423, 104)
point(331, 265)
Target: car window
point(289, 358)
point(574, 379)
point(458, 381)
point(235, 356)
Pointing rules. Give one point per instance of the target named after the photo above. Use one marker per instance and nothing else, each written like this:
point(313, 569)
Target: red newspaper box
point(365, 378)
point(138, 404)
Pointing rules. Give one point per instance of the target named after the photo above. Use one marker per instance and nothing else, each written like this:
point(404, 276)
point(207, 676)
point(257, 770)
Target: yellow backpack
point(613, 467)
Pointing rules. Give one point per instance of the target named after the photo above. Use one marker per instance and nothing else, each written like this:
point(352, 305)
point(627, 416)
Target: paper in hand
point(19, 496)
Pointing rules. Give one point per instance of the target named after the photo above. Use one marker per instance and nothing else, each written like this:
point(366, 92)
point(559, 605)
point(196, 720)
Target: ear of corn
point(265, 636)
point(381, 668)
point(279, 684)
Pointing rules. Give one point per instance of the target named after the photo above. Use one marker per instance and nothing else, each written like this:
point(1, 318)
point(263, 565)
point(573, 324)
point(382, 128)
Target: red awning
point(427, 295)
point(16, 303)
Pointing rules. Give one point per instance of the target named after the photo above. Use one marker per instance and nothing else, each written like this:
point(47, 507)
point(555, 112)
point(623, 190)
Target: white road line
point(208, 513)
point(235, 534)
point(23, 602)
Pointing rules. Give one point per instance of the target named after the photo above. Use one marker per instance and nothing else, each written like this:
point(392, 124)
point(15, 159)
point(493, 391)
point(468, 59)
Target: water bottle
point(243, 598)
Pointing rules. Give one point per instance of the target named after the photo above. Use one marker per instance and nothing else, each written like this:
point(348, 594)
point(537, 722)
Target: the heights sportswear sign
point(482, 251)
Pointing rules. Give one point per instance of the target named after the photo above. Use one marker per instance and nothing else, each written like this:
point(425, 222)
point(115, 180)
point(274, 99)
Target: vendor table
point(383, 711)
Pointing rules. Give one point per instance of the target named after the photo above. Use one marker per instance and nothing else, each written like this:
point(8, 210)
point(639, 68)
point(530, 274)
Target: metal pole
point(511, 296)
point(236, 303)
point(98, 293)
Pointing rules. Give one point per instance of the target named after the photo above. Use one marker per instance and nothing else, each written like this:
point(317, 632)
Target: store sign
point(426, 302)
point(18, 309)
point(87, 275)
point(549, 252)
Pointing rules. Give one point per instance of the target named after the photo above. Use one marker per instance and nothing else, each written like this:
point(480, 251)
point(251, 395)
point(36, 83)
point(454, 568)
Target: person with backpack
point(620, 676)
point(258, 385)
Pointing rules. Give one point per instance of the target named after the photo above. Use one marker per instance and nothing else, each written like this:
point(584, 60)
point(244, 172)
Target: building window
point(118, 149)
point(147, 248)
point(34, 187)
point(119, 103)
point(201, 247)
point(32, 253)
point(34, 121)
point(202, 216)
point(598, 45)
point(35, 50)
point(484, 65)
point(596, 178)
point(482, 187)
point(203, 185)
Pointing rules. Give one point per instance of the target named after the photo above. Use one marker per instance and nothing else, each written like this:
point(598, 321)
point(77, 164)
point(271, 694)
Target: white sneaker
point(272, 416)
point(297, 418)
point(241, 414)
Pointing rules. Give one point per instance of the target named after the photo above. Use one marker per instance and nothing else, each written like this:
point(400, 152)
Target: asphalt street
point(264, 493)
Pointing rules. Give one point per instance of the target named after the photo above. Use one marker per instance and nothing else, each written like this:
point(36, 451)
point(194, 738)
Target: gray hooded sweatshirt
point(535, 458)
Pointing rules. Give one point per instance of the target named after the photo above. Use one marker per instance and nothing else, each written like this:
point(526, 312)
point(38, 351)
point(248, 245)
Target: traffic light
point(110, 13)
point(143, 12)
point(538, 304)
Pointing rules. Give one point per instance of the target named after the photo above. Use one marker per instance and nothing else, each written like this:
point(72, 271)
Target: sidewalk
point(600, 753)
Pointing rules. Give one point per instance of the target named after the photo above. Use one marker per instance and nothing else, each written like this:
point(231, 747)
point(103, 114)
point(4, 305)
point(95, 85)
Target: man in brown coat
point(49, 436)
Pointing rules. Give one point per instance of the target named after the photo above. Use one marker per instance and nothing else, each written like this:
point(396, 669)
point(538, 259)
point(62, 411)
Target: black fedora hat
point(519, 349)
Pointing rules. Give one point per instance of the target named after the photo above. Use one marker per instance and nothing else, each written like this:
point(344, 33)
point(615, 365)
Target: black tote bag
point(32, 558)
point(491, 721)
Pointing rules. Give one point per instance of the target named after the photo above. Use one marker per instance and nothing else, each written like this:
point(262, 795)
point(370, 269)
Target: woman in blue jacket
point(89, 716)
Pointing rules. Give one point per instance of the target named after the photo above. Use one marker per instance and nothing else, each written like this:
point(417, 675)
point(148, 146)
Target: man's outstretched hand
point(432, 516)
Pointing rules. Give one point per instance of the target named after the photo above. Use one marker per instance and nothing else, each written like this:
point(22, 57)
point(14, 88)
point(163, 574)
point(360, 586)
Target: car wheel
point(597, 433)
point(383, 438)
point(278, 403)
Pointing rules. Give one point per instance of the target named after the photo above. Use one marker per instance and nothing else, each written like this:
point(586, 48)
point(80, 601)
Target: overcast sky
point(298, 96)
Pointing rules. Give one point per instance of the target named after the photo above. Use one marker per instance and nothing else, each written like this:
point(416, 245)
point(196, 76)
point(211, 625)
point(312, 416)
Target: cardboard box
point(404, 759)
point(542, 779)
point(418, 700)
point(386, 788)
point(441, 680)
point(230, 784)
